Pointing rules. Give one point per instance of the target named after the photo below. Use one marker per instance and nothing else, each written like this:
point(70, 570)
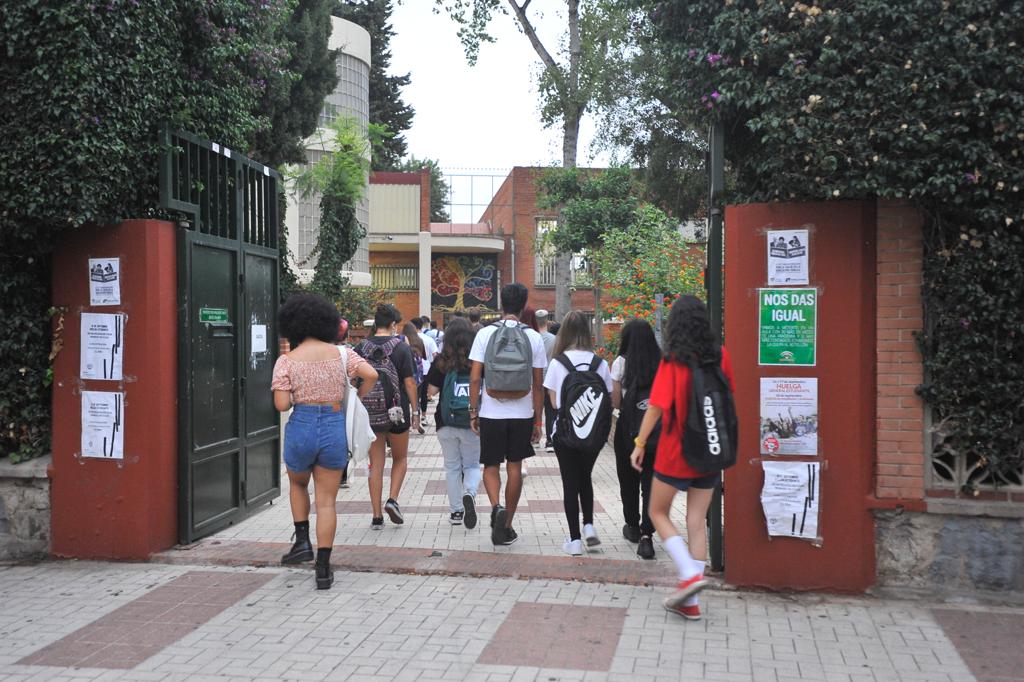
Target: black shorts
point(505, 439)
point(683, 484)
point(398, 429)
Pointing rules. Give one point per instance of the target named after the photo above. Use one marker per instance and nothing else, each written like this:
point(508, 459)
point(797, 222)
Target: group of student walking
point(496, 387)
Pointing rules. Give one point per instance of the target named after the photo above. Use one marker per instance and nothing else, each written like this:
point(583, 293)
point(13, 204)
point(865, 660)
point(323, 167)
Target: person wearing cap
point(543, 317)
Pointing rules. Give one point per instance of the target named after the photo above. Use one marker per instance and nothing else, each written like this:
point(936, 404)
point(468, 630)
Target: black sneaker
point(469, 504)
point(377, 523)
point(455, 518)
point(494, 511)
point(498, 527)
point(510, 537)
point(393, 512)
point(631, 533)
point(645, 550)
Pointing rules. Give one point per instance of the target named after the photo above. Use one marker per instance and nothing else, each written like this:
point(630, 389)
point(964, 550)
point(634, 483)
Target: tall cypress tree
point(293, 106)
point(386, 105)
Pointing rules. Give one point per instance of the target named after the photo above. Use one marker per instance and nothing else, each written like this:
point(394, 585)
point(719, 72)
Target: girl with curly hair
point(310, 380)
point(689, 341)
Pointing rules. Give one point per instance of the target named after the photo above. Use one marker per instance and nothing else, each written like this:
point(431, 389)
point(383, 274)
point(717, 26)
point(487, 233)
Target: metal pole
point(713, 283)
point(659, 311)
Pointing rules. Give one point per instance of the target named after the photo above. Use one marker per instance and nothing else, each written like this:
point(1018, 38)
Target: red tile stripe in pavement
point(531, 507)
point(557, 636)
point(424, 561)
point(129, 635)
point(989, 643)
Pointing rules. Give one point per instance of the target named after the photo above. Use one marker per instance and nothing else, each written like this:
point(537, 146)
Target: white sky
point(481, 119)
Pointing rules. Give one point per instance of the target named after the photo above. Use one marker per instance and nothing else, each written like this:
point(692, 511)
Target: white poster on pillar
point(103, 424)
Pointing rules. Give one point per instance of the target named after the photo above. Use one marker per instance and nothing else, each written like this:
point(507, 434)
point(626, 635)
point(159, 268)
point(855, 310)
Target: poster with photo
point(104, 281)
point(103, 424)
point(788, 257)
point(102, 344)
point(790, 498)
point(789, 416)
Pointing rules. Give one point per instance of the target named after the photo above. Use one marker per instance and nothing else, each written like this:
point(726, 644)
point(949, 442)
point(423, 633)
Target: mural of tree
point(460, 282)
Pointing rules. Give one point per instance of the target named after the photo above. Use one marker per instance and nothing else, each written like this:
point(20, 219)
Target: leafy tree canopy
point(589, 202)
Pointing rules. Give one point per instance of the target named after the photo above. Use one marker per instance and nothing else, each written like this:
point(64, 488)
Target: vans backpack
point(585, 408)
point(508, 362)
point(385, 393)
point(454, 403)
point(710, 432)
point(635, 403)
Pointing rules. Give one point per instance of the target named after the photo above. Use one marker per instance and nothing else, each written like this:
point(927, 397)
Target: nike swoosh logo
point(583, 430)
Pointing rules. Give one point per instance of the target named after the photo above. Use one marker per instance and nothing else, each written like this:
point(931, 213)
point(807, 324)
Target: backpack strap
point(564, 360)
point(595, 363)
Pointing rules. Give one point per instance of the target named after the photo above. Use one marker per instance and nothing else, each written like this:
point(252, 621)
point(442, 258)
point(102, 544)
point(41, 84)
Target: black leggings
point(576, 468)
point(633, 483)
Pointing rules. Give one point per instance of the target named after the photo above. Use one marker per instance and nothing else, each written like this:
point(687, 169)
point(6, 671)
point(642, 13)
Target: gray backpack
point(508, 362)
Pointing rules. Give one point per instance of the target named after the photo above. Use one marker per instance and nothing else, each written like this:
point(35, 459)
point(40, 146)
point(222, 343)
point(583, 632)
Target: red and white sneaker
point(691, 612)
point(685, 588)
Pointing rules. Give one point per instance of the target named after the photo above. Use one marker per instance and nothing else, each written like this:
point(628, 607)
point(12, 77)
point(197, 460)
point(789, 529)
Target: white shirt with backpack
point(518, 408)
point(557, 374)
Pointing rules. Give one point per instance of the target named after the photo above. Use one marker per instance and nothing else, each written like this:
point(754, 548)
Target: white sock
point(692, 600)
point(697, 566)
point(680, 554)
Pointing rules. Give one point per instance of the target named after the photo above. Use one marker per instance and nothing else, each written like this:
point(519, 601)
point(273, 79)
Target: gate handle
point(219, 330)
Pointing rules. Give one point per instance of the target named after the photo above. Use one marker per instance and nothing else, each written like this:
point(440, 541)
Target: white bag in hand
point(357, 420)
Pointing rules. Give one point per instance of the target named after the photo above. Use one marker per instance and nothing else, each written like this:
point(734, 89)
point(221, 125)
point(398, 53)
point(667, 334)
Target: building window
point(395, 277)
point(544, 259)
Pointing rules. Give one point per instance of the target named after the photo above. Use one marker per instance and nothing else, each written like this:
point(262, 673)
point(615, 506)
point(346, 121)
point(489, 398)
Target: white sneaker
point(573, 547)
point(590, 535)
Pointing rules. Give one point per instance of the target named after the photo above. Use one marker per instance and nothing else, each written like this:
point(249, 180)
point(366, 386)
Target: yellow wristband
point(639, 443)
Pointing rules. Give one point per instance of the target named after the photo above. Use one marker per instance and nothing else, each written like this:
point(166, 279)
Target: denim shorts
point(315, 436)
point(706, 482)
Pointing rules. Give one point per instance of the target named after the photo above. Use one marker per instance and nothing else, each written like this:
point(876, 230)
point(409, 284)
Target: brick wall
point(901, 460)
point(407, 302)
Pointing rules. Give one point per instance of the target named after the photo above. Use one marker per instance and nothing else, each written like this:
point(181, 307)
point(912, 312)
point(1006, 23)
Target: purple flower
point(714, 59)
point(691, 53)
point(715, 95)
point(799, 62)
point(964, 322)
point(96, 120)
point(972, 177)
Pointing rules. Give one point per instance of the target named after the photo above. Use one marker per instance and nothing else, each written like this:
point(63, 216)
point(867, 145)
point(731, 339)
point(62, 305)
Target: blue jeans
point(315, 436)
point(461, 449)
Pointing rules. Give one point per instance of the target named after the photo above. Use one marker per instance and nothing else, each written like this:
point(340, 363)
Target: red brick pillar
point(900, 469)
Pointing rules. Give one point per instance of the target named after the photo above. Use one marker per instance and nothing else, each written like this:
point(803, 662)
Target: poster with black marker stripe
point(790, 498)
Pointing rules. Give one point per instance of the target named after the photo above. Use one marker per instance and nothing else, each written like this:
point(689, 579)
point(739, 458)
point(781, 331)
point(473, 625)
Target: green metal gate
point(229, 431)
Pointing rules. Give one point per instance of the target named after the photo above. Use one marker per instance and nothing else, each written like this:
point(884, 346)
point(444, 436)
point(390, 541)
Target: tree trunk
point(572, 113)
point(598, 310)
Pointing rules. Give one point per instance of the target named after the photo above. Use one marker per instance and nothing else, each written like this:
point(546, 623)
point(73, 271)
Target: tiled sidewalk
point(156, 622)
point(539, 521)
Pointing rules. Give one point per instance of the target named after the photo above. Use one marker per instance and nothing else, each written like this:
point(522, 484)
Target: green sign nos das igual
point(788, 326)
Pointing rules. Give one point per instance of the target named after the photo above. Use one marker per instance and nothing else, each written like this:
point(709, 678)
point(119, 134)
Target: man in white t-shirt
point(507, 428)
point(430, 346)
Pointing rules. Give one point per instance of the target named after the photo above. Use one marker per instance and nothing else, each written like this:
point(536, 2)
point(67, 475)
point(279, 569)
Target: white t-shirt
point(582, 359)
point(521, 408)
point(619, 370)
point(430, 346)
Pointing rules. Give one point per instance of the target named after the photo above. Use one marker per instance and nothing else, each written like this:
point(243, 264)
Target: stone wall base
point(24, 510)
point(945, 553)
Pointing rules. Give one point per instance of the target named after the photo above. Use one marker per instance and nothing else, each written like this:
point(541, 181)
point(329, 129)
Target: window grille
point(395, 277)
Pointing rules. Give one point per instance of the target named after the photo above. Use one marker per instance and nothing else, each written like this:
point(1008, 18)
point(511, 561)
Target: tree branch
point(549, 62)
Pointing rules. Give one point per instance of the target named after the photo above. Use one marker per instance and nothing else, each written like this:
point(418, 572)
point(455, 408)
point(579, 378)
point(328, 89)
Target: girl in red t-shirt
point(688, 339)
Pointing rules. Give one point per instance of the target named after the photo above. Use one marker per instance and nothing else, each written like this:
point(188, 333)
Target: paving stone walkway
point(80, 620)
point(427, 600)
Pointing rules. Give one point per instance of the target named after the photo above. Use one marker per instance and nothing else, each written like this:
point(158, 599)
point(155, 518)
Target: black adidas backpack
point(710, 432)
point(585, 412)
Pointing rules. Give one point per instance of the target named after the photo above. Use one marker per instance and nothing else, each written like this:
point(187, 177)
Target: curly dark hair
point(640, 349)
point(689, 338)
point(307, 315)
point(458, 339)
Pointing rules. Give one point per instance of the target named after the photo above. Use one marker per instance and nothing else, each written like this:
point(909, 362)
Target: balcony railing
point(544, 272)
point(462, 229)
point(395, 277)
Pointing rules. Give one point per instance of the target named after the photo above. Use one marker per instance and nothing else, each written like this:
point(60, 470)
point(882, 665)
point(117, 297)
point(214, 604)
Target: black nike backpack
point(710, 434)
point(585, 413)
point(635, 402)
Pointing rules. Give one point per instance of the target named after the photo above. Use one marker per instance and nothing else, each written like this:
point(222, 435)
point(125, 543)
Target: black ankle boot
point(324, 574)
point(302, 550)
